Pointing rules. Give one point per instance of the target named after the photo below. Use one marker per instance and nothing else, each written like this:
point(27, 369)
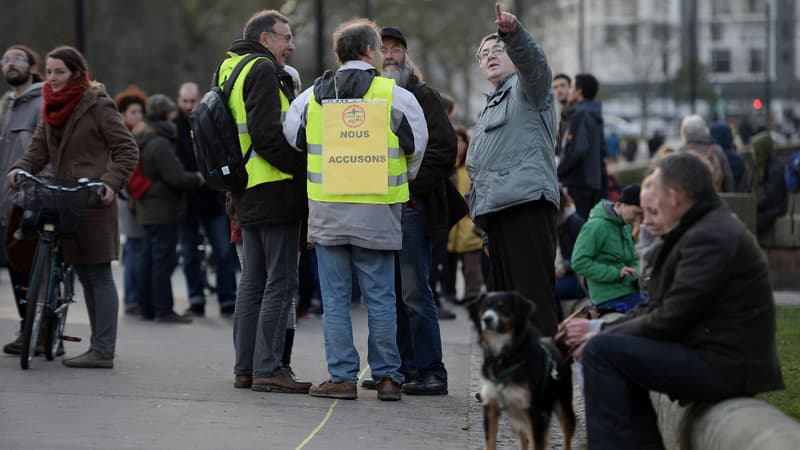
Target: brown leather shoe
point(91, 360)
point(329, 389)
point(243, 381)
point(388, 389)
point(283, 381)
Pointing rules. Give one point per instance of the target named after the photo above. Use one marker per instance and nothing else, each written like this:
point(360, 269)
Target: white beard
point(401, 74)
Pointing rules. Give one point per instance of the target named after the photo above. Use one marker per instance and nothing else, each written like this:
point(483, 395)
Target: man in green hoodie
point(604, 253)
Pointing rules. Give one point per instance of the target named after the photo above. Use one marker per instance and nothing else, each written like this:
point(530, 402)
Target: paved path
point(171, 388)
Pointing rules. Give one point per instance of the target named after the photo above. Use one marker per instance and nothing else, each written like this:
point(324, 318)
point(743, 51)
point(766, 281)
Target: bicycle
point(53, 209)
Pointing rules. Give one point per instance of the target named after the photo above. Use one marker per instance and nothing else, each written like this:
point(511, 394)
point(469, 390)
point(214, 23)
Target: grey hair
point(262, 21)
point(694, 129)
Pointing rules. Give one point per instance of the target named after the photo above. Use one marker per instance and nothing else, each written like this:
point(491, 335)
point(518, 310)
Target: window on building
point(756, 60)
point(716, 31)
point(612, 34)
point(754, 6)
point(720, 7)
point(720, 61)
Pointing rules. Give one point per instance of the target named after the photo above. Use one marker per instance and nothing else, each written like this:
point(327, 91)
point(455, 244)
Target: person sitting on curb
point(706, 334)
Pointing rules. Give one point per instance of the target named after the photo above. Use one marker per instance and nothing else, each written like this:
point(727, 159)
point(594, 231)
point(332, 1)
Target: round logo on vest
point(354, 116)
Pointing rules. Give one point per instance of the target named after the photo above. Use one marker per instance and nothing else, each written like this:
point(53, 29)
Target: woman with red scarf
point(82, 136)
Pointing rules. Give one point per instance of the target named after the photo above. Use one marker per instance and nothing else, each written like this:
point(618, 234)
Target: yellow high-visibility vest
point(397, 180)
point(258, 169)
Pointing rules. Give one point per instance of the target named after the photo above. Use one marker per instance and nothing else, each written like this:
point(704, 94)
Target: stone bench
point(743, 205)
point(734, 424)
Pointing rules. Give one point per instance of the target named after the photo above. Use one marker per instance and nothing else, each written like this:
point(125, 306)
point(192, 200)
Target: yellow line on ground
point(326, 418)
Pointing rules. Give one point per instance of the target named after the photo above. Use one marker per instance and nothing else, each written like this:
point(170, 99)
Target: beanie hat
point(159, 106)
point(630, 195)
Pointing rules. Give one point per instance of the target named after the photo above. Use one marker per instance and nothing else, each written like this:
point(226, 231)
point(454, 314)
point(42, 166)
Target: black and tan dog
point(523, 375)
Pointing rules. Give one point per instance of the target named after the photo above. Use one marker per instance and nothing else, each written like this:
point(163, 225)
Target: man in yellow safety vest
point(365, 138)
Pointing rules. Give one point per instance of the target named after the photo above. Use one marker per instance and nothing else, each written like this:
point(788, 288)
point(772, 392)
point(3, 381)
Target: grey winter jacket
point(20, 117)
point(511, 157)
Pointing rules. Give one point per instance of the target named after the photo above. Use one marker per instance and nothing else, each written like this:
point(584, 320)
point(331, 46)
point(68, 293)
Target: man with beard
point(20, 116)
point(425, 219)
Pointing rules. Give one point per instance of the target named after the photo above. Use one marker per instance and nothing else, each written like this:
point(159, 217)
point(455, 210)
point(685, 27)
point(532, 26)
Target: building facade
point(641, 51)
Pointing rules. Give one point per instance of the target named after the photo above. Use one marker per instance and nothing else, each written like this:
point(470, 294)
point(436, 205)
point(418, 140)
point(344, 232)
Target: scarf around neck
point(57, 106)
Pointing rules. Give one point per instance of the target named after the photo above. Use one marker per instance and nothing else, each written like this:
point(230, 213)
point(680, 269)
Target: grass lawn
point(788, 340)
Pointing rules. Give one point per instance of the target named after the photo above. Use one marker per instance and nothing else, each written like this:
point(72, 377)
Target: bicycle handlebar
point(97, 186)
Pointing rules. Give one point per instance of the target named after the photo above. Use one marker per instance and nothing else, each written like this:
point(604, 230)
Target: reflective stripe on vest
point(398, 172)
point(258, 170)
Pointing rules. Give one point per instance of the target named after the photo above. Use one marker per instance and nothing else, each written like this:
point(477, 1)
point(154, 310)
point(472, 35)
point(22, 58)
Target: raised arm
point(534, 72)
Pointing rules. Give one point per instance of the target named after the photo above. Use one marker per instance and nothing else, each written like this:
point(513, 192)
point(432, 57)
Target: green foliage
point(680, 84)
point(788, 342)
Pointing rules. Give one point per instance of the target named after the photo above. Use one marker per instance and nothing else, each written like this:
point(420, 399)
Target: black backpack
point(215, 136)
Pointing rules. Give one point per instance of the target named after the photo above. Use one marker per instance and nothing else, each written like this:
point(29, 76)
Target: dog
point(523, 375)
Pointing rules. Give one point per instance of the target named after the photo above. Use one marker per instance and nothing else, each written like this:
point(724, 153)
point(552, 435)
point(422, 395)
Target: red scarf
point(58, 106)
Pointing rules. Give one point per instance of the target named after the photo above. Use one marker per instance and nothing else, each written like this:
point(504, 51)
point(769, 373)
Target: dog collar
point(503, 376)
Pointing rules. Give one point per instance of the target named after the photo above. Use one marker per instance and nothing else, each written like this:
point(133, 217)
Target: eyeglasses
point(286, 37)
point(396, 51)
point(16, 59)
point(493, 51)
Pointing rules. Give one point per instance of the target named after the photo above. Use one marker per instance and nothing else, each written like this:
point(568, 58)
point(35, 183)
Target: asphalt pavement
point(172, 388)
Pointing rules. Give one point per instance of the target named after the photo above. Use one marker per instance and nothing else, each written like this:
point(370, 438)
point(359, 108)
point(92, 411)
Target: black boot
point(288, 343)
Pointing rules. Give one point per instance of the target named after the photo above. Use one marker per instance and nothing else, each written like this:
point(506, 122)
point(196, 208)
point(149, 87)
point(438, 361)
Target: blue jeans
point(567, 287)
point(622, 304)
point(422, 335)
point(375, 272)
point(132, 254)
point(620, 370)
point(158, 262)
point(217, 231)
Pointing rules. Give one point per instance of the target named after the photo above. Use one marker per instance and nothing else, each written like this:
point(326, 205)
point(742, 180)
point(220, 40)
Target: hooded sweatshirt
point(604, 246)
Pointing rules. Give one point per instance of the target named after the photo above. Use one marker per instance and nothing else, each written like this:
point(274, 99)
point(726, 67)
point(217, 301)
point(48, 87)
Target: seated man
point(708, 331)
point(604, 253)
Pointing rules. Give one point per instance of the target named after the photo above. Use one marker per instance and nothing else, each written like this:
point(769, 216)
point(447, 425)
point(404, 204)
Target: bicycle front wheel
point(36, 301)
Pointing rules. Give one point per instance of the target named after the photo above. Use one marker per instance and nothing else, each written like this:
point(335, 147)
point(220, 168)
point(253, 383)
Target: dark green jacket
point(165, 201)
point(710, 291)
point(604, 246)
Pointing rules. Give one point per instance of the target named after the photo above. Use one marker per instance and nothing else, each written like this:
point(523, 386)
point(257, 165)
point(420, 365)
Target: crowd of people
point(522, 201)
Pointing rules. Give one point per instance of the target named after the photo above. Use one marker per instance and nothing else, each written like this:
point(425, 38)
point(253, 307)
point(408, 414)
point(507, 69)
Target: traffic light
point(757, 104)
